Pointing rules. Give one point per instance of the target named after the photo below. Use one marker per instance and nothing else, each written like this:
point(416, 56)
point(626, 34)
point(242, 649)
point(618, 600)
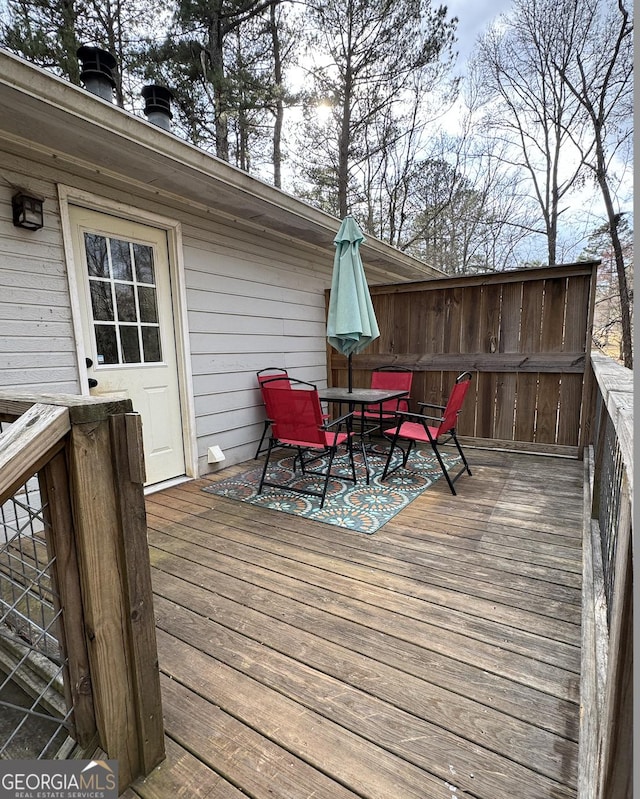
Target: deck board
point(438, 657)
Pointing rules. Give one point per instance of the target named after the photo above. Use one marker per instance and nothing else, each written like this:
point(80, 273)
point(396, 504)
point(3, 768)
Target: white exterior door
point(126, 313)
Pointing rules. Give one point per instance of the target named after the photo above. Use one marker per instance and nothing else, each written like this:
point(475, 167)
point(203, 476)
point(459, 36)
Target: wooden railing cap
point(616, 386)
point(82, 409)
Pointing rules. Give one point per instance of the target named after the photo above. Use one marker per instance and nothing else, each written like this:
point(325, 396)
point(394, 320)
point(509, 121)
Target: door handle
point(92, 381)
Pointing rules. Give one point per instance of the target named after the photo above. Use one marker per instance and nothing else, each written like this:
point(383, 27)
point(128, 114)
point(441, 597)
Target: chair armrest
point(419, 417)
point(431, 405)
point(337, 421)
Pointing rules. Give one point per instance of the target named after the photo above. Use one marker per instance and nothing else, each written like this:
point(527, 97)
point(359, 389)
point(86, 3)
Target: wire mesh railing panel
point(27, 598)
point(34, 718)
point(609, 508)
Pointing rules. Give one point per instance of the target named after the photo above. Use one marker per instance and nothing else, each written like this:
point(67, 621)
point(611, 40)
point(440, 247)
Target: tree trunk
point(216, 78)
point(279, 109)
point(69, 41)
point(623, 286)
point(343, 146)
point(343, 159)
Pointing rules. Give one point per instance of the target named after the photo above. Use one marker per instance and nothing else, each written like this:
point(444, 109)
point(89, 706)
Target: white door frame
point(67, 196)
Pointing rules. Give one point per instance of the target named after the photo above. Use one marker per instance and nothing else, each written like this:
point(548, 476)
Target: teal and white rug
point(360, 507)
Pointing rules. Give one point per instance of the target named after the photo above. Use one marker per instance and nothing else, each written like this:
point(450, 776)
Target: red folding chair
point(297, 422)
point(269, 374)
point(387, 378)
point(416, 428)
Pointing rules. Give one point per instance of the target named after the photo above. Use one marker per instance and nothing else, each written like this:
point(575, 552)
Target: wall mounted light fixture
point(28, 211)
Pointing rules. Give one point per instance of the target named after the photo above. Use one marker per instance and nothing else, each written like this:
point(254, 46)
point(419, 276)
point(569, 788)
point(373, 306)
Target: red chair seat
point(330, 440)
point(415, 431)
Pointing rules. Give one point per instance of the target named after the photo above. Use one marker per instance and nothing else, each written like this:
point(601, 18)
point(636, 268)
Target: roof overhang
point(53, 116)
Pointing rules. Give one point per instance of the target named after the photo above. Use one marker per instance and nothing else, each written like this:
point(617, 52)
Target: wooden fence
point(87, 454)
point(606, 692)
point(525, 334)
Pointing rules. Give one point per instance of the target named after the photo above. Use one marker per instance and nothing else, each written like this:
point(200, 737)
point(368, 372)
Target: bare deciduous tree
point(531, 107)
point(599, 74)
point(607, 322)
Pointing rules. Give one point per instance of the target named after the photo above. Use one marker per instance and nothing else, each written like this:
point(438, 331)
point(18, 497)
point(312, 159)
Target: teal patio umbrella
point(351, 322)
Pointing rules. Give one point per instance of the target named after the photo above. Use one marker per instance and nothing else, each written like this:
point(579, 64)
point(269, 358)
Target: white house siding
point(36, 334)
point(250, 304)
point(253, 300)
point(246, 313)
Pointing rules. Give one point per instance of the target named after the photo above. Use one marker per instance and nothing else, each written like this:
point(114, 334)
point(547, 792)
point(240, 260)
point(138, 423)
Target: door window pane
point(151, 344)
point(107, 346)
point(101, 301)
point(130, 344)
point(96, 249)
point(147, 302)
point(121, 260)
point(144, 263)
point(126, 303)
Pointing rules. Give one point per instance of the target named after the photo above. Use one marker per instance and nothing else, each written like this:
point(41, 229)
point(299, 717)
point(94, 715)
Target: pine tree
point(368, 62)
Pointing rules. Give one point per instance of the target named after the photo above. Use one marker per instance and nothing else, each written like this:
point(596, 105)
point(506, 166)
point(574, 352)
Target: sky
point(474, 17)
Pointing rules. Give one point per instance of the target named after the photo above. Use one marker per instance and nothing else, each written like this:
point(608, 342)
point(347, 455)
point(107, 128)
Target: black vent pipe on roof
point(157, 106)
point(97, 71)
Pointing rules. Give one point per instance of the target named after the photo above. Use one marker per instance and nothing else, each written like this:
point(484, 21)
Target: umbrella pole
point(350, 373)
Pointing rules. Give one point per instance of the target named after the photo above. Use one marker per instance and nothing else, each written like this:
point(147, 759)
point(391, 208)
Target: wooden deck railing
point(87, 455)
point(605, 769)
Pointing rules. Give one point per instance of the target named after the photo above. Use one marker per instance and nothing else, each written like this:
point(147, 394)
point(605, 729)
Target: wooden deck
point(439, 657)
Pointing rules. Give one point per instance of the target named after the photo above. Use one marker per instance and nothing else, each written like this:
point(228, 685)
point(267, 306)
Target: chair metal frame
point(419, 427)
point(297, 422)
point(386, 411)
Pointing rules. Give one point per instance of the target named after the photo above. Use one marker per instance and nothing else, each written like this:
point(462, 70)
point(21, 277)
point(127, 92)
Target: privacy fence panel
point(524, 334)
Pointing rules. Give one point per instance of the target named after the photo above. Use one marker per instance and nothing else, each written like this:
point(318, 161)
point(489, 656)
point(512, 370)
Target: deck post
point(108, 503)
point(61, 544)
point(126, 432)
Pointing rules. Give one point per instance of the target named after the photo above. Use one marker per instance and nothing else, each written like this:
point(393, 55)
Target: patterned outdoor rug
point(361, 507)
